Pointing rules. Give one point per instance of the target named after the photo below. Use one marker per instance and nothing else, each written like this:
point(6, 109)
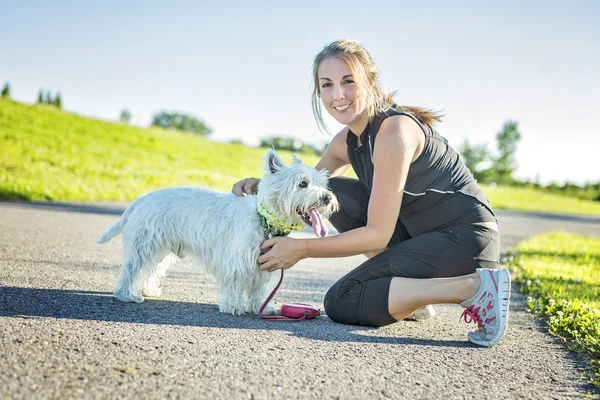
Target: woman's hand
point(284, 252)
point(245, 186)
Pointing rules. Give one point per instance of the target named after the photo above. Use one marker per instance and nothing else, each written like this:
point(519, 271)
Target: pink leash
point(289, 312)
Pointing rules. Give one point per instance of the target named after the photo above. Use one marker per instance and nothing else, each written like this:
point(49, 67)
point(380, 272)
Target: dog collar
point(271, 223)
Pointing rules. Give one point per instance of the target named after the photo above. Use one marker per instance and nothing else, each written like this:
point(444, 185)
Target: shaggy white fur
point(221, 232)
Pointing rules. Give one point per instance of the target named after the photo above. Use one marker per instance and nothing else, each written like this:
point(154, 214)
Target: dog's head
point(297, 193)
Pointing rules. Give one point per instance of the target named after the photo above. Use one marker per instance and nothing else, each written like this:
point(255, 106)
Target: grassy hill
point(528, 199)
point(50, 154)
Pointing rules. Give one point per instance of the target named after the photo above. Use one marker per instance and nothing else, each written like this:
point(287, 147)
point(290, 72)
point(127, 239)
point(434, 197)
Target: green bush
point(560, 273)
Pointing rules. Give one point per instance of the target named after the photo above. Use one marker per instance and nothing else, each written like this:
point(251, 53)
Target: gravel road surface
point(62, 334)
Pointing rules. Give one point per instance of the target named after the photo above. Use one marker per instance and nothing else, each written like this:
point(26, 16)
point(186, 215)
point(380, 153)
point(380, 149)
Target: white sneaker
point(422, 313)
point(489, 307)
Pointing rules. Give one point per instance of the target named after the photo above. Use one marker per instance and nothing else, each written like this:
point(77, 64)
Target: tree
point(57, 100)
point(6, 90)
point(291, 144)
point(180, 121)
point(507, 140)
point(281, 143)
point(40, 99)
point(475, 157)
point(48, 99)
point(125, 116)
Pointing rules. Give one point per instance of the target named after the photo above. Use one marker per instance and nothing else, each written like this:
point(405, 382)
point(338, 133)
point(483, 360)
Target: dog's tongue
point(318, 225)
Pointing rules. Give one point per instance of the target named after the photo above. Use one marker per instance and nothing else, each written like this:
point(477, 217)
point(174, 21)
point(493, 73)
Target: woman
point(415, 211)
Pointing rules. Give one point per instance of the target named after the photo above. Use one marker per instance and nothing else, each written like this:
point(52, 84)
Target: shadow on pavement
point(101, 306)
point(91, 208)
point(586, 219)
point(117, 208)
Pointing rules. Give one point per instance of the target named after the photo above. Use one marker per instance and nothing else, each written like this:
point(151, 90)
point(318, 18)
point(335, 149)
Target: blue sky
point(245, 67)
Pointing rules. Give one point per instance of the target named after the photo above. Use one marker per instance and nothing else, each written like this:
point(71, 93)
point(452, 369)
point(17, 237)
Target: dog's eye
point(303, 184)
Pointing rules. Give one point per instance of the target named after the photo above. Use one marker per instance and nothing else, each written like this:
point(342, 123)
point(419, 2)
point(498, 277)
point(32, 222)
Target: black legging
point(361, 297)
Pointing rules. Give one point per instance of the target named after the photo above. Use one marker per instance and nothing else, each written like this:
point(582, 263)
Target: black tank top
point(439, 188)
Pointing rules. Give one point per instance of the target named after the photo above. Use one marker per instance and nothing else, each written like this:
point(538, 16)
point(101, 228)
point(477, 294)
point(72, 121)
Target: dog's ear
point(296, 160)
point(274, 162)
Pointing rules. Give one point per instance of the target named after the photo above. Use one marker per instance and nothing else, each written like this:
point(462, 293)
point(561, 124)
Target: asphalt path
point(62, 334)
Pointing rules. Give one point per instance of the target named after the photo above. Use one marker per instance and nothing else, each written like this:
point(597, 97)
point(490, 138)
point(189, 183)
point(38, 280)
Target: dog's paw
point(129, 298)
point(152, 291)
point(233, 309)
point(255, 305)
point(269, 310)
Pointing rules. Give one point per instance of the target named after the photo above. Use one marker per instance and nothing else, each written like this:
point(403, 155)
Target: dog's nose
point(326, 198)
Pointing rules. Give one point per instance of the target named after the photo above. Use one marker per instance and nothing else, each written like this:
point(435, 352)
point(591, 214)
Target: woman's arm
point(335, 158)
point(396, 145)
point(399, 141)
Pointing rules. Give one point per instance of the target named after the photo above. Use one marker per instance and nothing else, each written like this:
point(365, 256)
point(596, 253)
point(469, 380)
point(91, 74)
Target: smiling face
point(341, 95)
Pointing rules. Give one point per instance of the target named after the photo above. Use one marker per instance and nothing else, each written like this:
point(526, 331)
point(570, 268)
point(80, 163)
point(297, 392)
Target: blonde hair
point(366, 75)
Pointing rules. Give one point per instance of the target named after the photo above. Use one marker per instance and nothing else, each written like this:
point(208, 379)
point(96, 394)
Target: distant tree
point(6, 90)
point(180, 121)
point(475, 157)
point(291, 144)
point(125, 116)
point(281, 143)
point(48, 99)
point(507, 140)
point(57, 101)
point(40, 99)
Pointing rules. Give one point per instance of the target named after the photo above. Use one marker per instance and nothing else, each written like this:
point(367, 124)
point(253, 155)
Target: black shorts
point(361, 297)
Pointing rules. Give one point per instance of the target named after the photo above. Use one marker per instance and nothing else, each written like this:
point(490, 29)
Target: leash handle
point(278, 317)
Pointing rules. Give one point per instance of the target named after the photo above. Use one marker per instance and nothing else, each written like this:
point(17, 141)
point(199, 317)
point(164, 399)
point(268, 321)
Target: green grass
point(560, 273)
point(528, 199)
point(49, 154)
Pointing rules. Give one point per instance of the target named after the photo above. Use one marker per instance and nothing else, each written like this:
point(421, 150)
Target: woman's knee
point(338, 310)
point(344, 304)
point(331, 303)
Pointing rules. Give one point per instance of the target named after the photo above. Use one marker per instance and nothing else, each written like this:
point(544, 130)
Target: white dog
point(222, 232)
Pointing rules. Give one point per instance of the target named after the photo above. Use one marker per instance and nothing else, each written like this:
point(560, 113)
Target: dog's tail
point(116, 228)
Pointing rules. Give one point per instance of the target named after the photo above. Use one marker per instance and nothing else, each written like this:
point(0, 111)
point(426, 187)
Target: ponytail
point(427, 117)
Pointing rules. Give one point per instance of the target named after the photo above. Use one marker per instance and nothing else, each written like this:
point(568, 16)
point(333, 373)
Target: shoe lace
point(471, 314)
